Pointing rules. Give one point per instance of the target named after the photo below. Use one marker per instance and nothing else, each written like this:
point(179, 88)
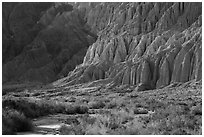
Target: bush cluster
point(14, 121)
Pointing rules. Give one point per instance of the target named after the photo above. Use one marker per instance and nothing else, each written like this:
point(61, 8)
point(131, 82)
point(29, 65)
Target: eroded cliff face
point(151, 45)
point(146, 44)
point(42, 41)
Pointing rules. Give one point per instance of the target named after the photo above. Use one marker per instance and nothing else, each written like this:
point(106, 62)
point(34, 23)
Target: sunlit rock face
point(151, 44)
point(42, 41)
point(147, 44)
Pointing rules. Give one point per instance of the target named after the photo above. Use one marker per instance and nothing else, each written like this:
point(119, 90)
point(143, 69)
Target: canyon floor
point(102, 109)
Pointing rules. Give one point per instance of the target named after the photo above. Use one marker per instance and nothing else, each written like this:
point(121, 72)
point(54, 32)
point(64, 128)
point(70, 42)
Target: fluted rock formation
point(45, 39)
point(151, 44)
point(164, 77)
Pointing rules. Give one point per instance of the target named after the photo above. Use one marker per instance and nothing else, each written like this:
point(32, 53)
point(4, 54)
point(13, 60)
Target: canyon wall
point(151, 45)
point(146, 44)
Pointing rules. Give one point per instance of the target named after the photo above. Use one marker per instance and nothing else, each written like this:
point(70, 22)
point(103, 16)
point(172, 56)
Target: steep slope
point(147, 44)
point(19, 26)
point(40, 39)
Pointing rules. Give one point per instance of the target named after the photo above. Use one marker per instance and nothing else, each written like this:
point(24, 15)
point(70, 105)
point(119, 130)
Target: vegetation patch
point(174, 120)
point(97, 104)
point(36, 108)
point(14, 121)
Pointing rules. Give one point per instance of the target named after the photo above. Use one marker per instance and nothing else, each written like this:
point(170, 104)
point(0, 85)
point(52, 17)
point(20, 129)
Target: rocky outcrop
point(47, 39)
point(151, 44)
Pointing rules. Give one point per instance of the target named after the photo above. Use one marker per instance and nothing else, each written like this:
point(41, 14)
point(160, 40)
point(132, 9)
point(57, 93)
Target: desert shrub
point(77, 126)
point(174, 119)
point(70, 110)
point(66, 130)
point(133, 95)
point(87, 120)
point(80, 109)
point(76, 109)
point(112, 104)
point(125, 131)
point(104, 125)
point(14, 121)
point(113, 124)
point(116, 103)
point(97, 104)
point(131, 129)
point(154, 104)
point(36, 108)
point(110, 123)
point(30, 109)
